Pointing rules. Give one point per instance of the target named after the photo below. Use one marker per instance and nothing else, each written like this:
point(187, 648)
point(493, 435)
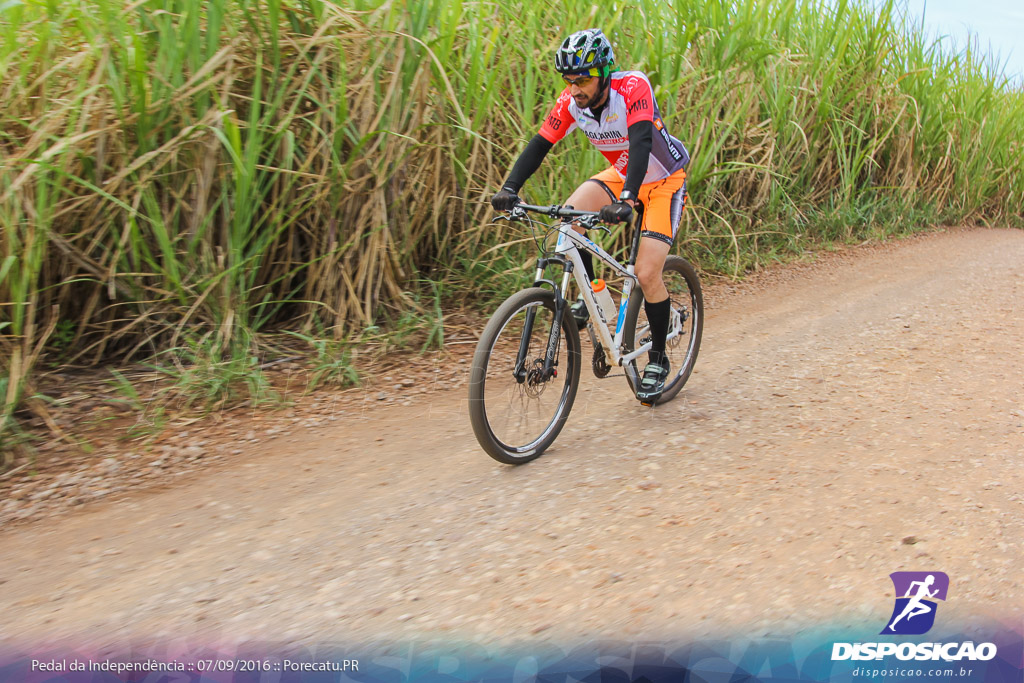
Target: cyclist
point(617, 112)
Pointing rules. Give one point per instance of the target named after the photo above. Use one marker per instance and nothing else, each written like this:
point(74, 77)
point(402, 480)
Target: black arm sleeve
point(641, 140)
point(528, 162)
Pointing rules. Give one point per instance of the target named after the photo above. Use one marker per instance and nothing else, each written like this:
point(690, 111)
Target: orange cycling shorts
point(663, 202)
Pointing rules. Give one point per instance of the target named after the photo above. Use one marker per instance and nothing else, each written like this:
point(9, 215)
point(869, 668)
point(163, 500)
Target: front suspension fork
point(550, 366)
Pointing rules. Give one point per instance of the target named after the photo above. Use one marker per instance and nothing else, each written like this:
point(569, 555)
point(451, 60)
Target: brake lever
point(593, 223)
point(515, 214)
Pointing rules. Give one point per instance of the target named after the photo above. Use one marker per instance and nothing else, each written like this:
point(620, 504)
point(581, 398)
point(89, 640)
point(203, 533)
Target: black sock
point(588, 264)
point(658, 314)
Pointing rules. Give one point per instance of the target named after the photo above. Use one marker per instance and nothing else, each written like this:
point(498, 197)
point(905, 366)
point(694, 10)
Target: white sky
point(998, 24)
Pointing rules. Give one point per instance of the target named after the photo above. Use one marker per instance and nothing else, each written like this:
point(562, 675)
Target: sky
point(998, 24)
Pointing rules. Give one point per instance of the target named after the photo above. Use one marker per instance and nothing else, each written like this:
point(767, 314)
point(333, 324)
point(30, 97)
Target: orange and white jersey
point(630, 99)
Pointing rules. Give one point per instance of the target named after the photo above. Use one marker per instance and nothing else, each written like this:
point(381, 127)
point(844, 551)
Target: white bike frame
point(569, 243)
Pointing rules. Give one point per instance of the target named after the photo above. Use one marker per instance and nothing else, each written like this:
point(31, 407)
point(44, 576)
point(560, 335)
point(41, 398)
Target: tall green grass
point(180, 175)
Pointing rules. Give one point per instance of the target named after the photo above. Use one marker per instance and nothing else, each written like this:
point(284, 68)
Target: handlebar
point(588, 219)
point(557, 211)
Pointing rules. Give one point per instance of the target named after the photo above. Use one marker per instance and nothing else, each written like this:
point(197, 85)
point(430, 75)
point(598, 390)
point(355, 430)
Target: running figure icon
point(917, 594)
point(916, 607)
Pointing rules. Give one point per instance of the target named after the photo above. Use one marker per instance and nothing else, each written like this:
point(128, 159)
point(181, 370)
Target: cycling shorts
point(663, 202)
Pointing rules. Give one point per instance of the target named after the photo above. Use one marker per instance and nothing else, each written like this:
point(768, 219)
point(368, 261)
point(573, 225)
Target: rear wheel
point(685, 326)
point(517, 413)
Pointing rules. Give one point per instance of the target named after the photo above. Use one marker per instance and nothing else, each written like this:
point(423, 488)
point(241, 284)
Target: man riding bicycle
point(617, 112)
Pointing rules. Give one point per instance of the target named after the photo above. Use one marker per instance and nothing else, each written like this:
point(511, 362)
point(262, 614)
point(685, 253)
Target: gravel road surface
point(849, 418)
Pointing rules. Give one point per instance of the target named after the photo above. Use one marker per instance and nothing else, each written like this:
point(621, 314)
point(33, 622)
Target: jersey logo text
point(637, 106)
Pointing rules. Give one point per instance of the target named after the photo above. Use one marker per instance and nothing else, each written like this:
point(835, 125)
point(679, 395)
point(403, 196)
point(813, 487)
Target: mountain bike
point(527, 364)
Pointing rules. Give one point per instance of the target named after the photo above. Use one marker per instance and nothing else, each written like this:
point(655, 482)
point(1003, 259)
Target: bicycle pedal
point(646, 405)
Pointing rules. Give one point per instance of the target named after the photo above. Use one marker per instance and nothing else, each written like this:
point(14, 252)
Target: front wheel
point(516, 411)
point(685, 326)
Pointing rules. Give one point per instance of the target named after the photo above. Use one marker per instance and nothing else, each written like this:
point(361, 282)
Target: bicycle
point(527, 364)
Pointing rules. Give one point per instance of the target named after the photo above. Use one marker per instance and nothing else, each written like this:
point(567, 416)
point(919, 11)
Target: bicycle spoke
point(518, 414)
point(685, 324)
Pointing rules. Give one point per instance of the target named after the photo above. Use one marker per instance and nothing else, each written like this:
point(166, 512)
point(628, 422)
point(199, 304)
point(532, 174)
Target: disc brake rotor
point(535, 382)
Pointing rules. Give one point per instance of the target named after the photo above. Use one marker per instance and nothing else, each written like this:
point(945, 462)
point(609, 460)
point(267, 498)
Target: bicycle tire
point(497, 399)
point(686, 295)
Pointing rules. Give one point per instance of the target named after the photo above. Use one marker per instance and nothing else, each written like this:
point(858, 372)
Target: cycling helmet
point(585, 50)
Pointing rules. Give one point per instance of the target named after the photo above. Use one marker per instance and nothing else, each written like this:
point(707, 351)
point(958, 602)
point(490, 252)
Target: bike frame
point(567, 254)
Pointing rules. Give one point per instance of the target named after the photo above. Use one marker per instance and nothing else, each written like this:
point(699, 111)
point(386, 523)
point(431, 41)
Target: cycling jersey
point(630, 99)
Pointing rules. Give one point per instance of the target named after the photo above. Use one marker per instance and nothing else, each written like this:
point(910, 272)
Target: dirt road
point(846, 419)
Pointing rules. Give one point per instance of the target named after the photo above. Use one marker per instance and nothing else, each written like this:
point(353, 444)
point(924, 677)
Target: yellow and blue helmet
point(586, 51)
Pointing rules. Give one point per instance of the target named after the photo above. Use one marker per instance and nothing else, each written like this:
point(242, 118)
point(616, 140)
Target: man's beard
point(592, 102)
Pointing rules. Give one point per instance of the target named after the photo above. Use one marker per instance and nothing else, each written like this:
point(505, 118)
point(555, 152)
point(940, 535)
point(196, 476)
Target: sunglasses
point(578, 81)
